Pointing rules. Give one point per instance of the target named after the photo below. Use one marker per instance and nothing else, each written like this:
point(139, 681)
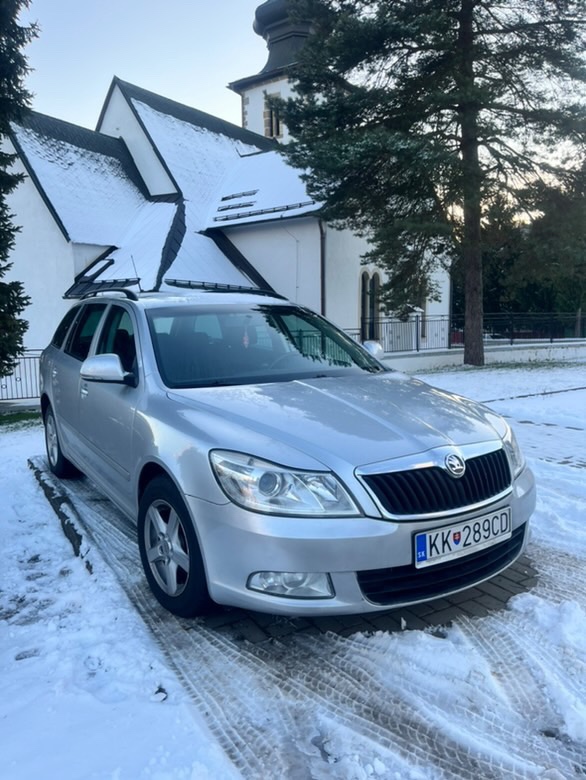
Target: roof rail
point(84, 287)
point(128, 293)
point(219, 287)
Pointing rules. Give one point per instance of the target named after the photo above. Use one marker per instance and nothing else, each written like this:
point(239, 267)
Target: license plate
point(456, 541)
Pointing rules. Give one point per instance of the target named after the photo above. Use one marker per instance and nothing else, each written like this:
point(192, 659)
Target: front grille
point(429, 490)
point(408, 585)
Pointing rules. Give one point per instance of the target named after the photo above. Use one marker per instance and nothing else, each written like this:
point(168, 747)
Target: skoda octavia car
point(272, 463)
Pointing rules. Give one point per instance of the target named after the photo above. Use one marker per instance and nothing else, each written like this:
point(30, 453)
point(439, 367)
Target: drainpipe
point(322, 264)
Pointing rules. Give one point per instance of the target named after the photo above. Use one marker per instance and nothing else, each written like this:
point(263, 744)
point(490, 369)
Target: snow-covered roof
point(141, 254)
point(199, 159)
point(88, 180)
point(225, 175)
point(215, 163)
point(261, 187)
point(141, 249)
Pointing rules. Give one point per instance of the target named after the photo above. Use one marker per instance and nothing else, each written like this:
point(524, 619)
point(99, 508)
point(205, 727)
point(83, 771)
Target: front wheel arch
point(170, 551)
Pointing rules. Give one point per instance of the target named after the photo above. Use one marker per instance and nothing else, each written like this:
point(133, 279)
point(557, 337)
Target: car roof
point(206, 296)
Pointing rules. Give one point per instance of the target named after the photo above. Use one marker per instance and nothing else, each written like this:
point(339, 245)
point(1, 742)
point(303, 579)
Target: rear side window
point(80, 338)
point(63, 326)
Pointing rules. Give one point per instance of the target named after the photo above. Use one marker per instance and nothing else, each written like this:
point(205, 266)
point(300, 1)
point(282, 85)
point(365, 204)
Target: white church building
point(163, 191)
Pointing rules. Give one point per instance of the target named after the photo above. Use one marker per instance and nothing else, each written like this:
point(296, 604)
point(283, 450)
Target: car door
point(65, 376)
point(107, 410)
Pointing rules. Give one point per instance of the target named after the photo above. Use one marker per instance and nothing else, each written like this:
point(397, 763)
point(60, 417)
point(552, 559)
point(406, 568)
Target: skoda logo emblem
point(455, 465)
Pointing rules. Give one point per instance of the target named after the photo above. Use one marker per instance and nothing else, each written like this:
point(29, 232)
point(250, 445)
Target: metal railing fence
point(23, 383)
point(419, 333)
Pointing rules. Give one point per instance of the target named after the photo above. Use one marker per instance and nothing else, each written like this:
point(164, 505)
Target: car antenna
point(136, 272)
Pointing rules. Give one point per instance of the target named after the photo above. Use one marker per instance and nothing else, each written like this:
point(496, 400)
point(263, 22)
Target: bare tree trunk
point(473, 313)
point(472, 188)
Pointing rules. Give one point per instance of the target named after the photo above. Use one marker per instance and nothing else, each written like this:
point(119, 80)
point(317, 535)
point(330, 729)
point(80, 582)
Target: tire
point(58, 463)
point(169, 551)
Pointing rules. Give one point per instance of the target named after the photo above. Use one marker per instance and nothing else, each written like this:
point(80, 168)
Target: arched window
point(364, 307)
point(272, 120)
point(375, 306)
point(369, 306)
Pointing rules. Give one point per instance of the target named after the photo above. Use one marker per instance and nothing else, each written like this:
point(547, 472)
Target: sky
point(186, 50)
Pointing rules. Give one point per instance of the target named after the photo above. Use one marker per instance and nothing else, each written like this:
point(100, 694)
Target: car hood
point(359, 419)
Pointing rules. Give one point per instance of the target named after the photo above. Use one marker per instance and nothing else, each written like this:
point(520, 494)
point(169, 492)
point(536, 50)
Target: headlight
point(513, 450)
point(265, 487)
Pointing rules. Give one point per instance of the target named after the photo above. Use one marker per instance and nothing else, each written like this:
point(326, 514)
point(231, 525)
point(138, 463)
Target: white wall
point(287, 254)
point(119, 121)
point(43, 261)
point(343, 271)
point(84, 255)
point(441, 307)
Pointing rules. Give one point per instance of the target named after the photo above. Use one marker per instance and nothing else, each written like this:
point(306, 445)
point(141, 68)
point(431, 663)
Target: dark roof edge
point(236, 257)
point(33, 177)
point(173, 242)
point(136, 177)
point(116, 82)
point(252, 81)
point(192, 115)
point(113, 83)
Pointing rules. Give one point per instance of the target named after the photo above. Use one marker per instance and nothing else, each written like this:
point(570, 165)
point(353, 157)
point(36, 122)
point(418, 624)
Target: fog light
point(292, 584)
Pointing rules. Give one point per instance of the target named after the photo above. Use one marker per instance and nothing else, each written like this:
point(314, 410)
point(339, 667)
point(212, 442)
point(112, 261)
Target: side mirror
point(374, 348)
point(106, 368)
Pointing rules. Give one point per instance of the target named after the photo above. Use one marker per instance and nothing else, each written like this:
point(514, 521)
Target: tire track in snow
point(476, 734)
point(221, 678)
point(559, 574)
point(526, 673)
point(542, 393)
point(394, 715)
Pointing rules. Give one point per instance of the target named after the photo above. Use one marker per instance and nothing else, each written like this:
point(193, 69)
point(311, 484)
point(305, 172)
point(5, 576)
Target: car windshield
point(208, 346)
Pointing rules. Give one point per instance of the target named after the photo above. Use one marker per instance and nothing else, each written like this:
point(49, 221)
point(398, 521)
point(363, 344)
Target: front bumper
point(236, 543)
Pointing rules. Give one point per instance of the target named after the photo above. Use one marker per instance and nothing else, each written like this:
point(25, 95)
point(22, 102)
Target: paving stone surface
point(474, 602)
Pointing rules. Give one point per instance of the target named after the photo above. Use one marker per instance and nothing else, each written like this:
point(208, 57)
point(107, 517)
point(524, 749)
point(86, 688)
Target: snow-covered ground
point(87, 692)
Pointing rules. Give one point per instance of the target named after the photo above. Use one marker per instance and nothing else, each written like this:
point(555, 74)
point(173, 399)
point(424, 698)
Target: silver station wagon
point(272, 463)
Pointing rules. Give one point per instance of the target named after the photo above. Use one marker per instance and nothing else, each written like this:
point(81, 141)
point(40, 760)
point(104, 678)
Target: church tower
point(284, 40)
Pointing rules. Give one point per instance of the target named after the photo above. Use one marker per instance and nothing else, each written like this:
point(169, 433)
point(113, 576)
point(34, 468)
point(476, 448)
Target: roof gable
point(186, 114)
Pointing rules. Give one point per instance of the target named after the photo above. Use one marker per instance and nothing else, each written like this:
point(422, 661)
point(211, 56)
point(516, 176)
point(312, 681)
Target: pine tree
point(14, 100)
point(411, 116)
point(503, 249)
point(554, 256)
